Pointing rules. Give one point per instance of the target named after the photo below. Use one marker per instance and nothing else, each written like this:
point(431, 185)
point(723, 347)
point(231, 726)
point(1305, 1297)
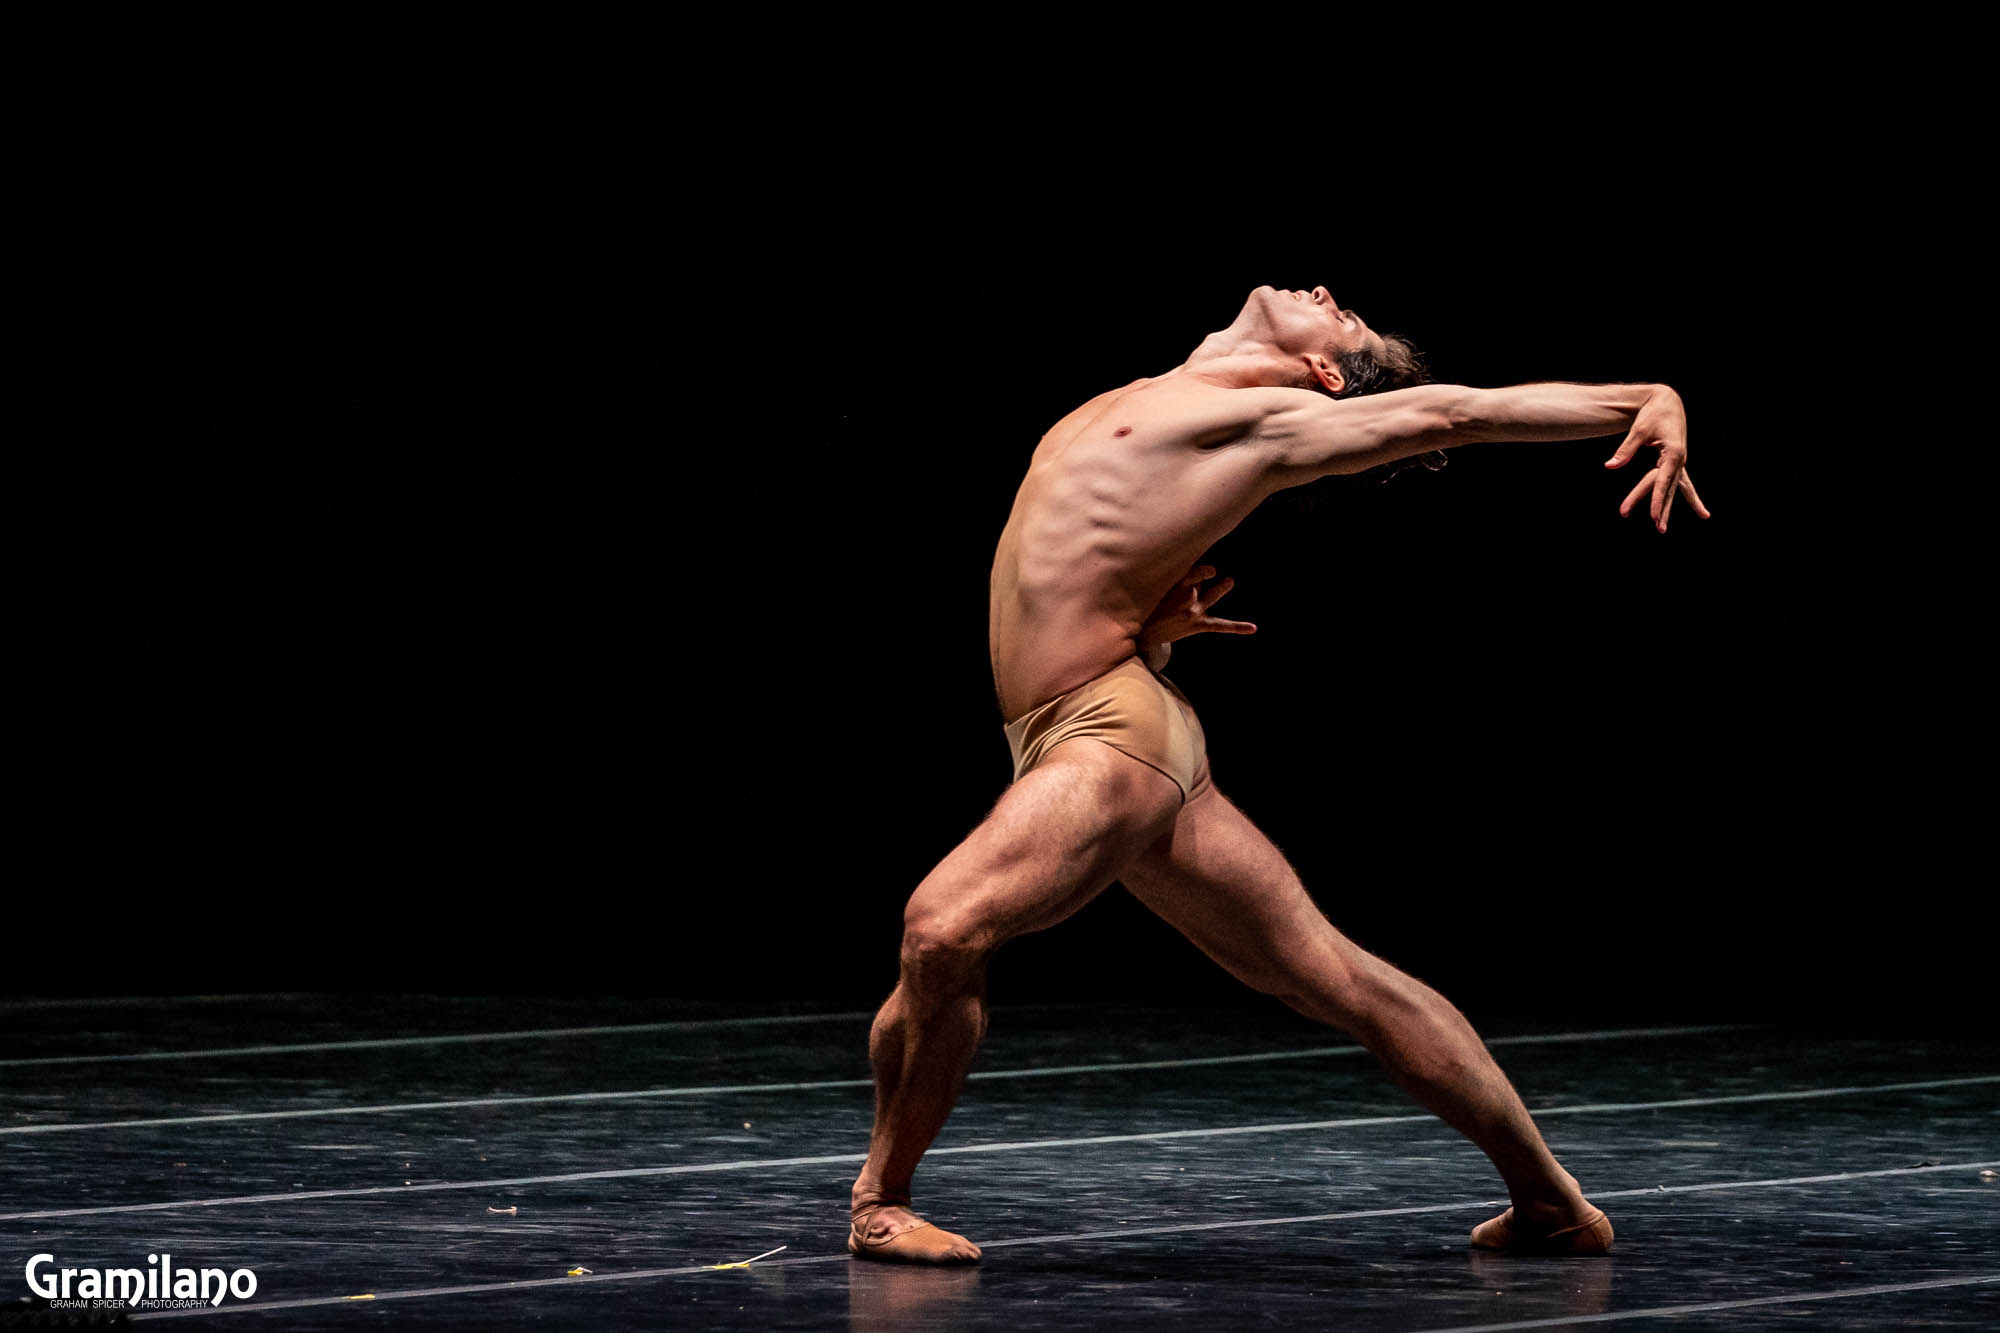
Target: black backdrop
point(599, 605)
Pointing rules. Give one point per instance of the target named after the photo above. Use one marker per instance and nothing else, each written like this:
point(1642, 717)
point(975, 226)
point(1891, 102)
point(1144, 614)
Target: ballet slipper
point(919, 1243)
point(1590, 1236)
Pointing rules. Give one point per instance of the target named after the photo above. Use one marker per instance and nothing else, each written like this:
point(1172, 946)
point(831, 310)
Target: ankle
point(871, 1194)
point(1551, 1200)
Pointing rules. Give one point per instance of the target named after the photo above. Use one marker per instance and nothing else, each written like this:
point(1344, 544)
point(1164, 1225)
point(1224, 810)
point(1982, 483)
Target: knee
point(1363, 997)
point(944, 952)
point(1330, 995)
point(1343, 992)
point(1304, 965)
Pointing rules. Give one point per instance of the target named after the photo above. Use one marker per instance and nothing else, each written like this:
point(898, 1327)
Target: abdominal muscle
point(1106, 522)
point(1037, 658)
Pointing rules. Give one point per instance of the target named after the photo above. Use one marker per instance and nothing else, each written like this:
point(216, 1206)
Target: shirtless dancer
point(1091, 581)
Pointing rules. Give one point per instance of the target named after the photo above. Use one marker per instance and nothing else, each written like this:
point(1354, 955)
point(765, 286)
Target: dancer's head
point(1314, 344)
point(1320, 346)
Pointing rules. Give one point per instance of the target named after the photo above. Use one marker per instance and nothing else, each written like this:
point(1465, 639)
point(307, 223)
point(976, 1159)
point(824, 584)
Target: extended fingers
point(1184, 611)
point(1645, 484)
point(1687, 484)
point(1661, 485)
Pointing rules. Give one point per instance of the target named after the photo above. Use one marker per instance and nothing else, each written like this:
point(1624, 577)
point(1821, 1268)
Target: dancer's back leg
point(1218, 880)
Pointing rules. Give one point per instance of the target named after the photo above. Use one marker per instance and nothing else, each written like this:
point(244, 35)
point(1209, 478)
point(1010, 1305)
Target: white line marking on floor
point(1496, 1202)
point(1071, 1237)
point(698, 1168)
point(453, 1039)
point(1667, 1311)
point(145, 1001)
point(735, 1089)
point(678, 1025)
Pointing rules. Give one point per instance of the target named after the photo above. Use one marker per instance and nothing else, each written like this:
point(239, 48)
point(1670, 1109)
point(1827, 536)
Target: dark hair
point(1400, 367)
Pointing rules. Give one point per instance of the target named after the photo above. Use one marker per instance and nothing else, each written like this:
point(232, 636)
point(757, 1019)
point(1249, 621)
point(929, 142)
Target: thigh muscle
point(1055, 839)
point(1218, 880)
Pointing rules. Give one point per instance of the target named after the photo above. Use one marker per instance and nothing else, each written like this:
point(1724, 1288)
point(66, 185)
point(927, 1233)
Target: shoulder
point(1205, 415)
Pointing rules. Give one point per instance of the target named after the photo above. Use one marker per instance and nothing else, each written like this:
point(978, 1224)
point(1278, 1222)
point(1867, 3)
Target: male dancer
point(1090, 584)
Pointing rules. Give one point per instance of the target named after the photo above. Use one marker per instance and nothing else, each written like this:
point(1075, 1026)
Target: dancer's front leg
point(1053, 842)
point(921, 1046)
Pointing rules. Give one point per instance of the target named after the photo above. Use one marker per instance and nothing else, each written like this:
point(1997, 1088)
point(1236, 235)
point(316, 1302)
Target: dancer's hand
point(1661, 424)
point(1184, 611)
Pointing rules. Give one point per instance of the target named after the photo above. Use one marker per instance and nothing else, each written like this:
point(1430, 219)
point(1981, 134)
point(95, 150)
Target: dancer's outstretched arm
point(1311, 435)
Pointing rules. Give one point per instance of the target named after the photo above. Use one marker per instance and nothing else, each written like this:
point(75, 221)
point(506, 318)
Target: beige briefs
point(1128, 708)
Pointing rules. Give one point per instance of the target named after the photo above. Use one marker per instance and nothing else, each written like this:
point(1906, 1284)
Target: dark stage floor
point(1123, 1167)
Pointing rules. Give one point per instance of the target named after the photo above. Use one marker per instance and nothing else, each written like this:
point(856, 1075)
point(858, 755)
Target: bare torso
point(1121, 497)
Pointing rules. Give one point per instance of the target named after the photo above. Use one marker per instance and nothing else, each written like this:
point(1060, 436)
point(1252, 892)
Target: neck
point(1234, 359)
